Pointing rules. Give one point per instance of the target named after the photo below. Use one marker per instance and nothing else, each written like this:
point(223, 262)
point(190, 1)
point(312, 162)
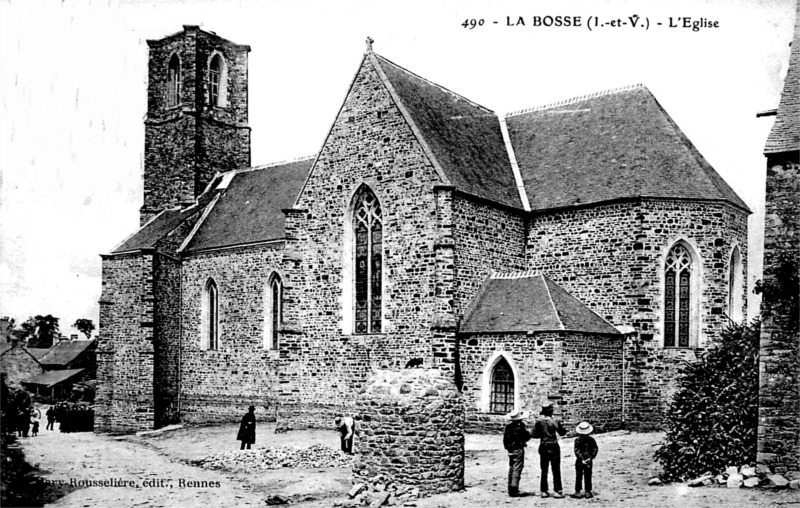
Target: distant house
point(70, 355)
point(18, 363)
point(55, 383)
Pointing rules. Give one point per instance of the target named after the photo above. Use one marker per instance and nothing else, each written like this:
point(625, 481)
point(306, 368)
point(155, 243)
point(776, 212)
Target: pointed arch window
point(210, 315)
point(679, 297)
point(215, 74)
point(735, 286)
point(174, 81)
point(501, 399)
point(368, 235)
point(273, 311)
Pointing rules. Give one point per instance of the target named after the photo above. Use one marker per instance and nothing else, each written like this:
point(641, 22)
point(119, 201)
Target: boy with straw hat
point(585, 452)
point(515, 438)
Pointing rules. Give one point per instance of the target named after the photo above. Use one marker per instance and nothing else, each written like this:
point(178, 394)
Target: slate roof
point(465, 138)
point(4, 346)
point(38, 352)
point(149, 234)
point(249, 210)
point(609, 146)
point(64, 352)
point(785, 133)
point(52, 377)
point(525, 302)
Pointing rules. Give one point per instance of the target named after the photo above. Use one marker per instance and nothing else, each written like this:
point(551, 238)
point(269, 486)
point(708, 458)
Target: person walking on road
point(515, 438)
point(547, 429)
point(247, 429)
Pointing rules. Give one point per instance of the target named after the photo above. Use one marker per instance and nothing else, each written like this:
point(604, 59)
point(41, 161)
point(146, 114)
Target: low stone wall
point(411, 431)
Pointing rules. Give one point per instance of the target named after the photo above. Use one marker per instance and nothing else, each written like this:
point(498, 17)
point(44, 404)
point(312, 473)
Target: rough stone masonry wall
point(779, 369)
point(411, 431)
point(18, 364)
point(487, 238)
point(218, 386)
point(369, 143)
point(124, 398)
point(580, 374)
point(611, 257)
point(166, 343)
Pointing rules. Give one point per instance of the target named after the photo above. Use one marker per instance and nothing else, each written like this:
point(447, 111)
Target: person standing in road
point(247, 429)
point(346, 427)
point(51, 417)
point(515, 438)
point(547, 429)
point(585, 452)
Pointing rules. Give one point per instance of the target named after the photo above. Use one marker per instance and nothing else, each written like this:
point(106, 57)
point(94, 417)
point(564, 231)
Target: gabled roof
point(52, 377)
point(4, 346)
point(38, 352)
point(465, 138)
point(162, 224)
point(785, 133)
point(64, 352)
point(525, 302)
point(609, 146)
point(250, 209)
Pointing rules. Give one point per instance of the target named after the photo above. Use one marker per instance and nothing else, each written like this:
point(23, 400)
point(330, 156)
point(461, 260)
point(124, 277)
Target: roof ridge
point(440, 87)
point(276, 163)
point(574, 100)
point(561, 324)
point(524, 274)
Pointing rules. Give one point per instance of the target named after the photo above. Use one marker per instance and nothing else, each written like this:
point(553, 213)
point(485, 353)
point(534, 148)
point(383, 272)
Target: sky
point(73, 98)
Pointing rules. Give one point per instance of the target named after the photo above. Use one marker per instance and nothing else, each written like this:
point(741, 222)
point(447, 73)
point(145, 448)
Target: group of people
point(547, 429)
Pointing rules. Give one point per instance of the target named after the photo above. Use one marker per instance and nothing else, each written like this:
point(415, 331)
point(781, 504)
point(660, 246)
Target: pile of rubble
point(743, 477)
point(380, 491)
point(262, 459)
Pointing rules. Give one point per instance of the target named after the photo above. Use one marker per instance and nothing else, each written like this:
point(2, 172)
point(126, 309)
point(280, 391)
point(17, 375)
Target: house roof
point(52, 377)
point(785, 133)
point(464, 137)
point(65, 352)
point(38, 352)
point(527, 302)
point(162, 224)
point(4, 346)
point(609, 146)
point(250, 208)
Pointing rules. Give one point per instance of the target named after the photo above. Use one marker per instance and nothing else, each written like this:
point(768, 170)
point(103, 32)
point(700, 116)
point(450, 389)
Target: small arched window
point(273, 311)
point(501, 399)
point(215, 74)
point(735, 287)
point(368, 235)
point(174, 81)
point(210, 321)
point(680, 297)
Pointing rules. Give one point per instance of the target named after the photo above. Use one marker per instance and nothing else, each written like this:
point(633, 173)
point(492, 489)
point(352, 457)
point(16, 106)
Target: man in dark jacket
point(247, 429)
point(585, 452)
point(514, 440)
point(547, 429)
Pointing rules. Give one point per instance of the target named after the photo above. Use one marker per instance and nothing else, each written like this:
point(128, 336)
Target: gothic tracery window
point(368, 229)
point(678, 297)
point(174, 81)
point(502, 390)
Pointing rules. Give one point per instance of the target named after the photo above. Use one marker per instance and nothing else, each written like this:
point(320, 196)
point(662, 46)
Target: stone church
point(574, 253)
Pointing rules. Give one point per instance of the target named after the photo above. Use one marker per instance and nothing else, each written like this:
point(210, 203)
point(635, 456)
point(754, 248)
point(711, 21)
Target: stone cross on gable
point(370, 40)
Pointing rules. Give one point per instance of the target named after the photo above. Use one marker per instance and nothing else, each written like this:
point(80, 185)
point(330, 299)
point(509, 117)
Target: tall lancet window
point(214, 79)
point(273, 311)
point(368, 229)
point(211, 315)
point(735, 286)
point(678, 297)
point(174, 81)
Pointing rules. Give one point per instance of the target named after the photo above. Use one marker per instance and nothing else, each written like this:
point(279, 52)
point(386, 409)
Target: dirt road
point(161, 475)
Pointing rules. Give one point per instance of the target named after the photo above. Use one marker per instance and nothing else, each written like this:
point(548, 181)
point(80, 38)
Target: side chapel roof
point(785, 133)
point(527, 302)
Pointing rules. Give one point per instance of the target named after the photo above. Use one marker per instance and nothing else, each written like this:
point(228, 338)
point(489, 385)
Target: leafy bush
point(712, 419)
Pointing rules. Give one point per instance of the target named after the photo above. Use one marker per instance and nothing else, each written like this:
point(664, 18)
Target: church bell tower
point(196, 123)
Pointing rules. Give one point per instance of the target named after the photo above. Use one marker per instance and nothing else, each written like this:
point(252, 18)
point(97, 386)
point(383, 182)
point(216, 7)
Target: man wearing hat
point(247, 429)
point(346, 427)
point(547, 429)
point(585, 452)
point(515, 438)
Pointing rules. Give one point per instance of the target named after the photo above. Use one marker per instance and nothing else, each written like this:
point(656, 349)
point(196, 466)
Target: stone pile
point(745, 476)
point(411, 431)
point(263, 459)
point(380, 491)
